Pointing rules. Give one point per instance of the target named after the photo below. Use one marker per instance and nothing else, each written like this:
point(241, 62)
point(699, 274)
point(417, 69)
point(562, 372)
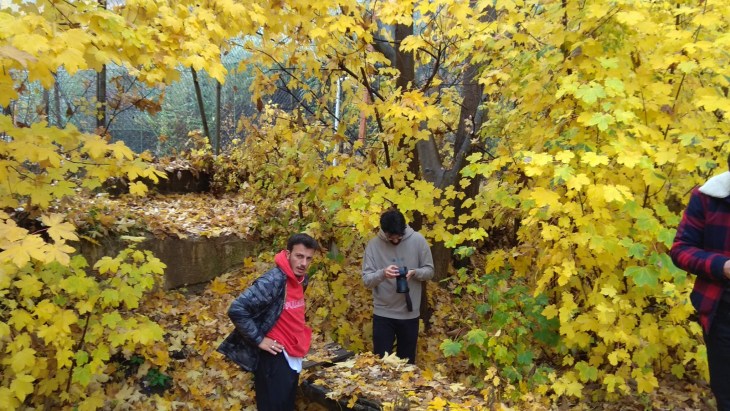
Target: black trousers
point(718, 356)
point(275, 383)
point(386, 331)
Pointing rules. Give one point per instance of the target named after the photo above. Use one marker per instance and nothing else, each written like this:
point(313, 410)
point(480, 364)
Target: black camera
point(401, 282)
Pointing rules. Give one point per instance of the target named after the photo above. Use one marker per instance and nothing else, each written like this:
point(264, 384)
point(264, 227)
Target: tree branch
point(433, 73)
point(449, 177)
point(384, 48)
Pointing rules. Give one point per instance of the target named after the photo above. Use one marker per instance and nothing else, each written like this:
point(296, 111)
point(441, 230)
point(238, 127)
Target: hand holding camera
point(392, 271)
point(401, 275)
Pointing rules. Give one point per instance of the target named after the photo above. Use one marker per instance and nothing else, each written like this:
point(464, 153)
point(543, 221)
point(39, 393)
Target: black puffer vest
point(254, 313)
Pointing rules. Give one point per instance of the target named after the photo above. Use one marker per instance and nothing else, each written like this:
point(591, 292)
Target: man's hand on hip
point(271, 346)
point(726, 269)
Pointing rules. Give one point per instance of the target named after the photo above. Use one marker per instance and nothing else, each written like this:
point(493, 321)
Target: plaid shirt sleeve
point(688, 251)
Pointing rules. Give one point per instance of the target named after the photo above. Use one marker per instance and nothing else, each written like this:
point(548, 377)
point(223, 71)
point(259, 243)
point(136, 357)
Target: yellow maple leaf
point(96, 147)
point(22, 386)
point(92, 403)
point(630, 17)
point(565, 156)
point(593, 159)
point(8, 399)
point(21, 252)
point(59, 252)
point(611, 193)
point(427, 374)
point(107, 264)
point(137, 188)
point(219, 287)
point(63, 357)
point(23, 360)
point(58, 229)
point(29, 286)
point(578, 181)
point(437, 404)
point(645, 382)
point(121, 151)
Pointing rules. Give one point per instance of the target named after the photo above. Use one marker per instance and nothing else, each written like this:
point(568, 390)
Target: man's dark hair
point(302, 239)
point(393, 222)
point(728, 161)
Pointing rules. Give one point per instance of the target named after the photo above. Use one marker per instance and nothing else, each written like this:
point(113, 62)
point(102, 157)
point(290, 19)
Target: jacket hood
point(283, 263)
point(718, 186)
point(409, 232)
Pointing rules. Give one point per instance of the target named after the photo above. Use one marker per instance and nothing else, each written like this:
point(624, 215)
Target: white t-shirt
point(294, 362)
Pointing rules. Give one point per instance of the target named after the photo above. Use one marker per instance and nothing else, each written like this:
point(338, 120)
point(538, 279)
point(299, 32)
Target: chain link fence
point(158, 119)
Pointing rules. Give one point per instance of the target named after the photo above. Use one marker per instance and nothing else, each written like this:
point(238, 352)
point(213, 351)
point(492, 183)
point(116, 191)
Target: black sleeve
point(251, 303)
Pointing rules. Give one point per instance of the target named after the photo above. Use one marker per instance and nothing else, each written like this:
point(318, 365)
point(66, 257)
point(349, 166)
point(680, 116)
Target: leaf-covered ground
point(176, 215)
point(202, 379)
point(185, 372)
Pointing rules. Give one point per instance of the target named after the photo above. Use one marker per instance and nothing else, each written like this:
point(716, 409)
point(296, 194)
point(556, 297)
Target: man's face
point(393, 238)
point(300, 257)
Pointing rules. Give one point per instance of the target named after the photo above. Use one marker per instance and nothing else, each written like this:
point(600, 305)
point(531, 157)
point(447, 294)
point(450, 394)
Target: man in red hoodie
point(271, 338)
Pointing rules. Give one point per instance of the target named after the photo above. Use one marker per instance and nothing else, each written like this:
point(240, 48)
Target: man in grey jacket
point(396, 315)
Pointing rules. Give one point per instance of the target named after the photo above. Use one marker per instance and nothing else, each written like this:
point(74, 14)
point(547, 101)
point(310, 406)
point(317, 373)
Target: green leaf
point(664, 262)
point(564, 173)
point(611, 63)
point(111, 319)
point(500, 319)
point(590, 93)
point(82, 375)
point(615, 84)
point(631, 207)
point(678, 370)
point(687, 66)
point(689, 139)
point(587, 373)
point(643, 276)
point(637, 251)
point(525, 358)
point(450, 347)
point(476, 355)
point(110, 296)
point(476, 336)
point(502, 354)
point(82, 357)
point(666, 236)
point(601, 120)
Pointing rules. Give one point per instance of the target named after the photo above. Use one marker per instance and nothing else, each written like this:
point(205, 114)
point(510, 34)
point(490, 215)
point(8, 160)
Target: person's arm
point(250, 303)
point(688, 251)
point(425, 270)
point(371, 275)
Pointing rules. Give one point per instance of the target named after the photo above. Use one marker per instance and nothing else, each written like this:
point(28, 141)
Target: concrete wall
point(190, 261)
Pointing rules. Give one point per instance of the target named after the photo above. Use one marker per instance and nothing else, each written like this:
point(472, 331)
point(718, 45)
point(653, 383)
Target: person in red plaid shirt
point(702, 247)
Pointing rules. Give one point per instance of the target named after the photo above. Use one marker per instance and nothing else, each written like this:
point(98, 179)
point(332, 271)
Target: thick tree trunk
point(469, 123)
point(470, 120)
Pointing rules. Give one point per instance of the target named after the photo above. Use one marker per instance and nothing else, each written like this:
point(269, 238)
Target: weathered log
point(319, 395)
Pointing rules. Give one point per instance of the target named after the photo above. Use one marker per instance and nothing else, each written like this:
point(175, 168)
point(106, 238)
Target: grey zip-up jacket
point(412, 252)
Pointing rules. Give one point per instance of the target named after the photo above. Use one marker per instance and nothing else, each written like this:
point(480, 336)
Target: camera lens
point(401, 283)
